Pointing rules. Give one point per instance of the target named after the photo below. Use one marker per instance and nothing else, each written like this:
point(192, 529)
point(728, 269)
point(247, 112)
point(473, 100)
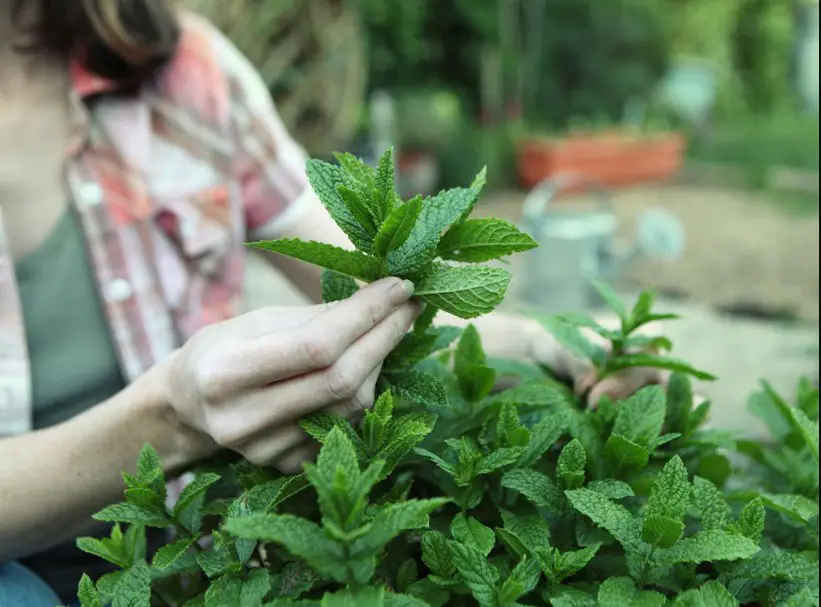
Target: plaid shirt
point(167, 185)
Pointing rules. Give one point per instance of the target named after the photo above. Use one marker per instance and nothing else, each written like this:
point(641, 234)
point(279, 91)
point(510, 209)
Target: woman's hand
point(585, 379)
point(244, 383)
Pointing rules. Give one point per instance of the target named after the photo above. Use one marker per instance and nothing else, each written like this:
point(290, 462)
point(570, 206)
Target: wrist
point(177, 443)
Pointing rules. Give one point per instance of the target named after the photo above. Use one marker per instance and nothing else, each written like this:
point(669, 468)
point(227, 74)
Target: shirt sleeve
point(269, 163)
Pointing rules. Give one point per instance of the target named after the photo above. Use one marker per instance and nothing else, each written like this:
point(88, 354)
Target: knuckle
point(316, 351)
point(226, 432)
point(341, 382)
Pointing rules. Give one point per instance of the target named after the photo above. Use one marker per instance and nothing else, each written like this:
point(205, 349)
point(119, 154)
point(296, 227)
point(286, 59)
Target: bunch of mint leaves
point(451, 492)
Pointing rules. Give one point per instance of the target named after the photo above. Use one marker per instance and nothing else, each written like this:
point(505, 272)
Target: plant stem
point(645, 569)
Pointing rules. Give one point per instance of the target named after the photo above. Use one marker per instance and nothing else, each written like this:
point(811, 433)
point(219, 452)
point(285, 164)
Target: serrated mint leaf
point(468, 530)
point(571, 562)
point(611, 488)
point(438, 213)
point(357, 169)
point(376, 422)
point(175, 557)
point(134, 587)
point(662, 531)
point(420, 388)
point(531, 530)
point(668, 502)
point(796, 507)
point(150, 471)
point(614, 518)
point(707, 546)
point(224, 591)
point(522, 580)
point(538, 488)
point(188, 509)
point(623, 455)
point(385, 186)
point(774, 564)
point(255, 588)
point(336, 286)
point(436, 554)
point(359, 203)
point(622, 591)
point(402, 435)
point(337, 259)
point(132, 514)
point(397, 228)
point(320, 425)
point(570, 467)
point(807, 429)
point(478, 575)
point(325, 180)
point(215, 562)
point(464, 291)
point(337, 453)
point(295, 579)
point(751, 520)
point(478, 240)
point(679, 403)
point(393, 520)
point(432, 594)
point(393, 599)
point(640, 418)
point(300, 537)
point(543, 435)
point(109, 549)
point(715, 512)
point(87, 593)
point(498, 459)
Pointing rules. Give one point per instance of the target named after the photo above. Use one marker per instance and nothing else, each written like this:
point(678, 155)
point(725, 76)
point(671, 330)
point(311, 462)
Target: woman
point(138, 150)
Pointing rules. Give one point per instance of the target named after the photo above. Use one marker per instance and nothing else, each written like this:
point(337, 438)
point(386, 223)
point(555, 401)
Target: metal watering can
point(578, 247)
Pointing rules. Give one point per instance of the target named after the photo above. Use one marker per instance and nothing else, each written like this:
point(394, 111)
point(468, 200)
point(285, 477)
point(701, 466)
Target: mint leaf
point(796, 507)
point(679, 403)
point(543, 435)
point(570, 467)
point(668, 502)
point(613, 518)
point(707, 546)
point(436, 554)
point(611, 488)
point(476, 572)
point(751, 520)
point(385, 186)
point(394, 519)
point(715, 513)
point(337, 259)
point(468, 530)
point(622, 591)
point(174, 558)
point(571, 338)
point(412, 258)
point(464, 291)
point(397, 227)
point(538, 488)
point(359, 204)
point(134, 587)
point(132, 514)
point(336, 286)
point(419, 388)
point(641, 417)
point(300, 537)
point(612, 300)
point(87, 593)
point(110, 549)
point(622, 454)
point(807, 429)
point(478, 240)
point(188, 509)
point(629, 361)
point(320, 425)
point(325, 180)
point(711, 594)
point(150, 471)
point(358, 170)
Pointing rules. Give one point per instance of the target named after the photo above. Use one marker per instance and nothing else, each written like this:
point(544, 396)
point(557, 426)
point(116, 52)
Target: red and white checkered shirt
point(167, 184)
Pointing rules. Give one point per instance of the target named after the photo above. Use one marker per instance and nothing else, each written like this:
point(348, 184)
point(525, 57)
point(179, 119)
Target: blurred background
point(667, 144)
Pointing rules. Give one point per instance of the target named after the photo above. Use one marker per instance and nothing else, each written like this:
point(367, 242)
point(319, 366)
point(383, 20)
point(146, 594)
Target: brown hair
point(124, 40)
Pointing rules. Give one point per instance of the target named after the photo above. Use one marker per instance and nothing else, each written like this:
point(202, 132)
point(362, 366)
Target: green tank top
point(73, 362)
point(73, 365)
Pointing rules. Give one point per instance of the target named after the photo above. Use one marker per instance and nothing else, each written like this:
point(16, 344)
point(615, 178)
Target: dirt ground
point(741, 247)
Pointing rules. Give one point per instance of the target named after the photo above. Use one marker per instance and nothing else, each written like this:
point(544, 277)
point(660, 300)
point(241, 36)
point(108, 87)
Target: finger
point(623, 385)
point(294, 461)
point(297, 397)
point(268, 444)
point(315, 345)
point(278, 319)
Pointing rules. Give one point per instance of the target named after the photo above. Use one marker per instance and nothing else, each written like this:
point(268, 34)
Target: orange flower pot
point(613, 158)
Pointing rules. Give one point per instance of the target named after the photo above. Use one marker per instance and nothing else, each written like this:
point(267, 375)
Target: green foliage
point(451, 492)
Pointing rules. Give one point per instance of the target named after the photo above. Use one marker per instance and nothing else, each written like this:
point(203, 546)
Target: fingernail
point(405, 287)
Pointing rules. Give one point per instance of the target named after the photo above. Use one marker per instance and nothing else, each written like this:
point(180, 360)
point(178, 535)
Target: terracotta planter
point(613, 158)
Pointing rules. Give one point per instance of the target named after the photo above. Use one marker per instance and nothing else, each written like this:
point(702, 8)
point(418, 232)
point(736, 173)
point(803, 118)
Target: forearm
point(53, 480)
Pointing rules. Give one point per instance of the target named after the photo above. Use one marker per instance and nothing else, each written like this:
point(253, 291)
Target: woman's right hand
point(244, 383)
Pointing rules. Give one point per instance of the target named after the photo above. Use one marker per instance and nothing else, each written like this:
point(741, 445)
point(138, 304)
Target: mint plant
point(452, 492)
